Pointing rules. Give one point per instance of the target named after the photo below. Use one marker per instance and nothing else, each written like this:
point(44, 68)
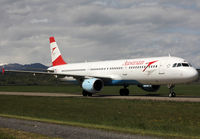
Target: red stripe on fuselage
point(149, 64)
point(58, 61)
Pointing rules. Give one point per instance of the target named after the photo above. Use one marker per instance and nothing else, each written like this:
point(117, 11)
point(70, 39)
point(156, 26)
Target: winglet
point(56, 56)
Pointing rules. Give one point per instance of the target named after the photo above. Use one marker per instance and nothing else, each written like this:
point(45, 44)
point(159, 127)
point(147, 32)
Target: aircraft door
point(161, 67)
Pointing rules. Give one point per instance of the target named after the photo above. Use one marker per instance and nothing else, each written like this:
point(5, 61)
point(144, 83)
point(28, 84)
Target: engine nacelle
point(149, 88)
point(92, 85)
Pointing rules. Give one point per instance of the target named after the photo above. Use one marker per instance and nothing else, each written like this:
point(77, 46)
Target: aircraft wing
point(32, 72)
point(59, 75)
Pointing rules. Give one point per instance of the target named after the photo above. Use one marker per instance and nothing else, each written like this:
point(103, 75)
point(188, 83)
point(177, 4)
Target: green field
point(174, 119)
point(186, 90)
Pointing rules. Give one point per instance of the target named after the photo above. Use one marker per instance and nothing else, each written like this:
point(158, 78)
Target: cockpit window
point(182, 65)
point(185, 64)
point(174, 65)
point(179, 65)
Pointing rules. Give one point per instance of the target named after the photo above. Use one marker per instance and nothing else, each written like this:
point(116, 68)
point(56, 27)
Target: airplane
point(147, 73)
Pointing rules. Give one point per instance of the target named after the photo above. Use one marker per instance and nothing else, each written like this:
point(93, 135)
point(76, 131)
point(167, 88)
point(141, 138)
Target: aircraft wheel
point(121, 92)
point(171, 91)
point(84, 93)
point(124, 92)
point(173, 94)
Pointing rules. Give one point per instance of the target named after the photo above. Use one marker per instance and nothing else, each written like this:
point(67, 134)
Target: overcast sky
point(95, 30)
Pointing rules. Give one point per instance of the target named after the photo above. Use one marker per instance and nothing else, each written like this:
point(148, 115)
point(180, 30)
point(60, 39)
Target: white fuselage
point(154, 71)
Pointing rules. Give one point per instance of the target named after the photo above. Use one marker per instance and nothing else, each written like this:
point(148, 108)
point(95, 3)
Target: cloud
point(99, 29)
point(36, 21)
point(18, 10)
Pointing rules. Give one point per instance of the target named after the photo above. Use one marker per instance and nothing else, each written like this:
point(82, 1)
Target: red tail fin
point(56, 56)
point(3, 71)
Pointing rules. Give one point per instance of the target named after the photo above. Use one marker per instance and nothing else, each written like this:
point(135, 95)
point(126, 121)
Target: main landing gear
point(124, 91)
point(85, 93)
point(171, 91)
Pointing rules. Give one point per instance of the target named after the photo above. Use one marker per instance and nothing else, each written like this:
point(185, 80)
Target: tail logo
point(53, 49)
point(56, 56)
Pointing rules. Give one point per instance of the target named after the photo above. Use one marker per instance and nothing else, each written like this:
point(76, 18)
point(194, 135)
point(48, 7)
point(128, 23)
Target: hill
point(26, 67)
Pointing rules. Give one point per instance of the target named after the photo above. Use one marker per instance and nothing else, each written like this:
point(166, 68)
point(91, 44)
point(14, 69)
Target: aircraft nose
point(193, 74)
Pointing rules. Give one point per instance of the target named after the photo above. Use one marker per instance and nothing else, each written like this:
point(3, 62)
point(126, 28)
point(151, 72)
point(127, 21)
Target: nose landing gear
point(171, 91)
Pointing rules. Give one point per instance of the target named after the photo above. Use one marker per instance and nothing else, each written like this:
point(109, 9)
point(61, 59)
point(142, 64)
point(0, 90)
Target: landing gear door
point(161, 67)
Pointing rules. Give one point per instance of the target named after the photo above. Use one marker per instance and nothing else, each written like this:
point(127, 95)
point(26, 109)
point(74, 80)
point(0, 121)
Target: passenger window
point(179, 65)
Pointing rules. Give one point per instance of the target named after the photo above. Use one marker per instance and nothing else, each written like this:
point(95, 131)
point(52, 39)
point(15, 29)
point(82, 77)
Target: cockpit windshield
point(185, 64)
point(181, 65)
point(174, 65)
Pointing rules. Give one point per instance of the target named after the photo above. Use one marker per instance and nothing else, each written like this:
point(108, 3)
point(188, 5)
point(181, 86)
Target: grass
point(6, 133)
point(174, 119)
point(186, 90)
point(50, 89)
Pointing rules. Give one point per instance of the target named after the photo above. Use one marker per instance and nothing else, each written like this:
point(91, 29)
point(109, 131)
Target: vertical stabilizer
point(56, 56)
point(3, 71)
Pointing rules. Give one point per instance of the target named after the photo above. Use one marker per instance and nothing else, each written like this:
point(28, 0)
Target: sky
point(93, 30)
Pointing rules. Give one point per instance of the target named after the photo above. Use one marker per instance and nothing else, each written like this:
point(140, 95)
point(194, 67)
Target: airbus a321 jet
point(146, 73)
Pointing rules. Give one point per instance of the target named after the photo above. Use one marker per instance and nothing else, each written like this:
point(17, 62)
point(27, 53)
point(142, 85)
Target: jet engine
point(149, 88)
point(92, 85)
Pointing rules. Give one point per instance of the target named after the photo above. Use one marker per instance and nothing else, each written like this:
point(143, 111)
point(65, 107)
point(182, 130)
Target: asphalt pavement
point(65, 131)
point(131, 97)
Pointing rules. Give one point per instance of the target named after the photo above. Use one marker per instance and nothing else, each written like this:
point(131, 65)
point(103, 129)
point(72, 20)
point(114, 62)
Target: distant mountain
point(1, 64)
point(27, 67)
